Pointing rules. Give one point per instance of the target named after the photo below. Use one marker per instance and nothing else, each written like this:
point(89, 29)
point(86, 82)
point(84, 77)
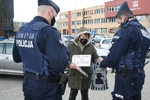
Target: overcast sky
point(25, 10)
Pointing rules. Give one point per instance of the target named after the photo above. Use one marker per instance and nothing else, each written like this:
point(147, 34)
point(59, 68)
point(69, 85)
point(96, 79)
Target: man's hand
point(99, 59)
point(73, 66)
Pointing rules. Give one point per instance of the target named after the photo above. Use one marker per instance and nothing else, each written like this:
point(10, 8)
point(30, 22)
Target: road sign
point(93, 32)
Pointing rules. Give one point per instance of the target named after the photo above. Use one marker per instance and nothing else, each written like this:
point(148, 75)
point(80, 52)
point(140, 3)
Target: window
point(97, 11)
point(64, 23)
point(78, 22)
point(8, 22)
point(78, 13)
point(96, 21)
point(73, 30)
point(140, 18)
point(73, 22)
point(9, 48)
point(1, 48)
point(98, 30)
point(103, 30)
point(103, 20)
point(111, 20)
point(90, 21)
point(102, 10)
point(149, 18)
point(107, 41)
point(73, 15)
point(64, 16)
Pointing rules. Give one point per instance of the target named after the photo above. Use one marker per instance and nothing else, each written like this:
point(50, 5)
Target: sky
point(25, 10)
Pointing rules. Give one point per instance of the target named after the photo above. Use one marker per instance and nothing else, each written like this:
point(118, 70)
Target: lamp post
point(75, 15)
point(84, 17)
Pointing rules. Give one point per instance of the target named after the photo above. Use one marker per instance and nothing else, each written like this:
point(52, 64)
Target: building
point(101, 19)
point(6, 17)
point(18, 25)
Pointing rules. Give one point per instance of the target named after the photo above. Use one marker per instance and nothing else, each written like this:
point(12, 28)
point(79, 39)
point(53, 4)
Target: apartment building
point(6, 17)
point(17, 25)
point(101, 19)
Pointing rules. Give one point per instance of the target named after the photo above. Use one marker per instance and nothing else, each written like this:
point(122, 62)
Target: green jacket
point(76, 79)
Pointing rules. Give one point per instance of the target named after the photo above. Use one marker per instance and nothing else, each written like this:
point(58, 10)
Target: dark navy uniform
point(38, 45)
point(127, 56)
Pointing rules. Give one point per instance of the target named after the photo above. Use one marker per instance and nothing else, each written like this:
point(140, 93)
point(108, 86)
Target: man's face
point(120, 20)
point(83, 36)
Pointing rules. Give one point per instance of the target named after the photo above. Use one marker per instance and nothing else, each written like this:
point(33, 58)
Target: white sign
point(82, 60)
point(135, 3)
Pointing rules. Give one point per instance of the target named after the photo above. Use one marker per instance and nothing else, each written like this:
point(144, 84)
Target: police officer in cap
point(38, 45)
point(127, 54)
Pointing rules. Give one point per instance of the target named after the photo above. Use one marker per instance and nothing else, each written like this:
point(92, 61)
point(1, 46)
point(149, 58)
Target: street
point(11, 88)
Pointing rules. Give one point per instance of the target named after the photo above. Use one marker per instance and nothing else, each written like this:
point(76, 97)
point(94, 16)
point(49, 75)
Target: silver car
point(7, 65)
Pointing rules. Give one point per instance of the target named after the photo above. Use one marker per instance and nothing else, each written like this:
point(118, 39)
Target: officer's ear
point(50, 13)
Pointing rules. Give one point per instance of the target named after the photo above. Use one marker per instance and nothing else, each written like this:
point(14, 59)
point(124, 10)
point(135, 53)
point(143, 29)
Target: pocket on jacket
point(71, 77)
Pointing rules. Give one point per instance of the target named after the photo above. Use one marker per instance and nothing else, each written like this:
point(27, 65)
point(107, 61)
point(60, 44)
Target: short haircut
point(127, 13)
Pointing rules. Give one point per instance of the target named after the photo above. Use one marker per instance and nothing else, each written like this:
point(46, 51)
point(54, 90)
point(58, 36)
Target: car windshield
point(68, 37)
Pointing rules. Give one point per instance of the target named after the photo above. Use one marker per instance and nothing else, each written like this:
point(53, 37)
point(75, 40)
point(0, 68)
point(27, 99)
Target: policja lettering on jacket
point(25, 40)
point(25, 43)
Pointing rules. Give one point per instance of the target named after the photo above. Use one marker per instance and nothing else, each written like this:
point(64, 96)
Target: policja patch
point(98, 78)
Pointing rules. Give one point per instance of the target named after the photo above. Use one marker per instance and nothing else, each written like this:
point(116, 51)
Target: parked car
point(68, 41)
point(2, 38)
point(67, 37)
point(7, 65)
point(102, 52)
point(105, 43)
point(97, 38)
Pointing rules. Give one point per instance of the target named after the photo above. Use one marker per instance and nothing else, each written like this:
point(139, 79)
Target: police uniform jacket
point(126, 39)
point(129, 47)
point(49, 44)
point(76, 79)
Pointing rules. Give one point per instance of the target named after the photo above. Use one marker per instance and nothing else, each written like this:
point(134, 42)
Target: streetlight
point(84, 17)
point(75, 15)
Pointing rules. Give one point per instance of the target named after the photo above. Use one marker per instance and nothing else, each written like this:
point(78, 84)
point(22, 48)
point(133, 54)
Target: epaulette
point(39, 25)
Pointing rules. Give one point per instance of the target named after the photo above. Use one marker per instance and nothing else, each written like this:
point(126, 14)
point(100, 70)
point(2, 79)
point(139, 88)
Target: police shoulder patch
point(116, 37)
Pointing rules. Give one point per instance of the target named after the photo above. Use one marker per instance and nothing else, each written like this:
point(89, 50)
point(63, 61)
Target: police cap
point(124, 7)
point(50, 3)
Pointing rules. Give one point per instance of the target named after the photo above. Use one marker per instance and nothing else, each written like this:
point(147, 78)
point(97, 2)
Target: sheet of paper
point(81, 71)
point(82, 60)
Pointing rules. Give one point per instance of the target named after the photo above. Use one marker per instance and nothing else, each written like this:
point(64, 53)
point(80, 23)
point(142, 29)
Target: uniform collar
point(133, 20)
point(39, 18)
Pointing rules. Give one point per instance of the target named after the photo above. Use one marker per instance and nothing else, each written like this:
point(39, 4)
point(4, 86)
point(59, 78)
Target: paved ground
point(14, 91)
point(106, 95)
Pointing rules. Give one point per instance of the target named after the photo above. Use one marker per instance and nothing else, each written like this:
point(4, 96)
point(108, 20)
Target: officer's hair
point(127, 13)
point(43, 8)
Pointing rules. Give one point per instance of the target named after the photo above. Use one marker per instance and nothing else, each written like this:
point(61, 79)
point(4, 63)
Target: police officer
point(127, 54)
point(38, 45)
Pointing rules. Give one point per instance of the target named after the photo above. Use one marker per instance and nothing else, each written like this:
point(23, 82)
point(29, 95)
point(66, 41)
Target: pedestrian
point(38, 45)
point(81, 46)
point(127, 54)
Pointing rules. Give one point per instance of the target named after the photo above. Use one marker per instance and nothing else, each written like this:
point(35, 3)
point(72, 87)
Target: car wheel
point(148, 54)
